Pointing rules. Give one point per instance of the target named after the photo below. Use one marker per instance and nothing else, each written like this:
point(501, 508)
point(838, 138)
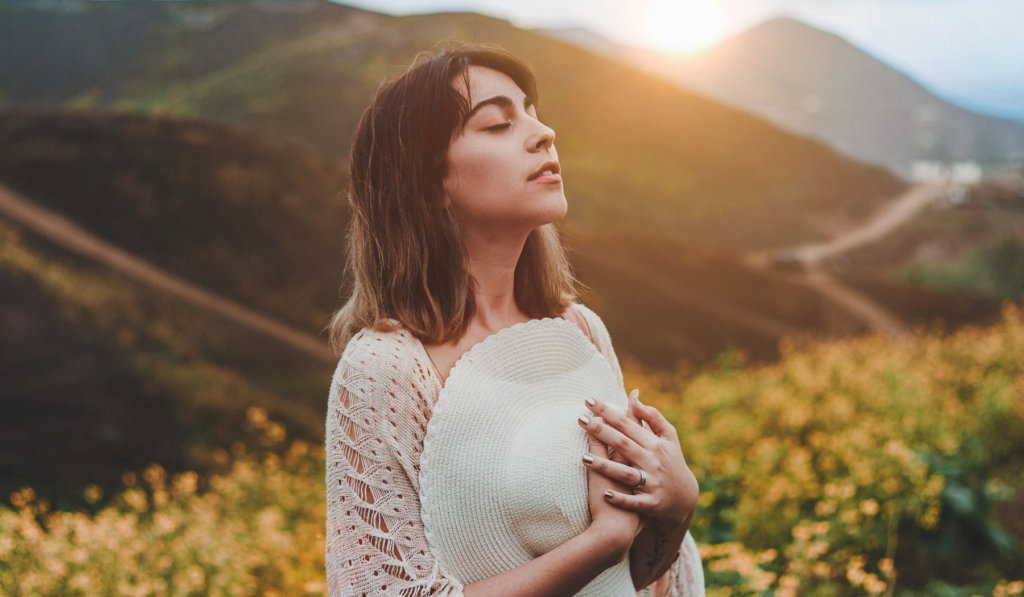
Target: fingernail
point(587, 458)
point(590, 401)
point(584, 420)
point(608, 494)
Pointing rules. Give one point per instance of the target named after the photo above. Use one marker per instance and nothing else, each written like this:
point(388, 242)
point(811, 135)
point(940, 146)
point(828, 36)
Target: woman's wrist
point(672, 526)
point(564, 570)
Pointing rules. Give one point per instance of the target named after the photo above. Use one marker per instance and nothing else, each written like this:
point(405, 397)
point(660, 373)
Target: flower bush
point(864, 467)
point(255, 530)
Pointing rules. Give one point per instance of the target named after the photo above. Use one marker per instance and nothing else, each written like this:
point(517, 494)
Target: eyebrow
point(502, 101)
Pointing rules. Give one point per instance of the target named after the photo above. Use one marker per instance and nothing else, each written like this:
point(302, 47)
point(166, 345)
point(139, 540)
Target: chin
point(557, 212)
point(562, 212)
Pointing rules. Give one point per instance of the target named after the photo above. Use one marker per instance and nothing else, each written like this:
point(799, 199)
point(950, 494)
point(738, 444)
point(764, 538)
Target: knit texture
point(381, 399)
point(501, 480)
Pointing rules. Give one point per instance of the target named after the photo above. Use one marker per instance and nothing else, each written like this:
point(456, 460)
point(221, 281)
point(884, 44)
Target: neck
point(492, 263)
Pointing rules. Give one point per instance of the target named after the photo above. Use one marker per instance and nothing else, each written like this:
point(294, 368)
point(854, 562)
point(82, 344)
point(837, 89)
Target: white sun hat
point(501, 480)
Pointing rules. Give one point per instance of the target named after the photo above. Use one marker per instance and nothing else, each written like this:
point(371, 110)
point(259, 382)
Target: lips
point(550, 167)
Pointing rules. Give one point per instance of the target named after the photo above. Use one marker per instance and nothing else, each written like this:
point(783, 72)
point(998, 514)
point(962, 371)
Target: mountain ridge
point(692, 165)
point(814, 82)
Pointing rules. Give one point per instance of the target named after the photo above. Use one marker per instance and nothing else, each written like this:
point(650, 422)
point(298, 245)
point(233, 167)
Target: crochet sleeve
point(686, 576)
point(378, 408)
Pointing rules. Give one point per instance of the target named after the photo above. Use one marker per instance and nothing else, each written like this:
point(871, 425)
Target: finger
point(621, 421)
point(613, 438)
point(598, 447)
point(640, 503)
point(615, 456)
point(634, 402)
point(618, 457)
point(634, 409)
point(595, 447)
point(659, 424)
point(627, 475)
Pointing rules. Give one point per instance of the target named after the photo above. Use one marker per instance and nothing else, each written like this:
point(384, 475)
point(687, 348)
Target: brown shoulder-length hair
point(406, 257)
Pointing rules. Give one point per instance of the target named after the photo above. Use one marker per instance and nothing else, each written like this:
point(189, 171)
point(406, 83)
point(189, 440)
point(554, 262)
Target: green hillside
point(263, 223)
point(102, 376)
point(145, 377)
point(257, 220)
point(636, 151)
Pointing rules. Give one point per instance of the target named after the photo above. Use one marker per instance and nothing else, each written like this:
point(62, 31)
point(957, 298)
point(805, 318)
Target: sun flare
point(683, 26)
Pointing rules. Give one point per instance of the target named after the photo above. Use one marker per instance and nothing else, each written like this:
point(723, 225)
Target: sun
point(682, 26)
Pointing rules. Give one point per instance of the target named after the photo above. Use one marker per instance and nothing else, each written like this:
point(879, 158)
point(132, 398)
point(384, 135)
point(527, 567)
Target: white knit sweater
point(381, 398)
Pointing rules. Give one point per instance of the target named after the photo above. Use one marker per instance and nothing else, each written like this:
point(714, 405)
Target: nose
point(543, 138)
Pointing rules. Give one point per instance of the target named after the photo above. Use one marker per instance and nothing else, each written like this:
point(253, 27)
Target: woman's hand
point(615, 526)
point(669, 494)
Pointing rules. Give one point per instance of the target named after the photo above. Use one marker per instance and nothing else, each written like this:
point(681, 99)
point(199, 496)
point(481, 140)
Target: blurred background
point(802, 222)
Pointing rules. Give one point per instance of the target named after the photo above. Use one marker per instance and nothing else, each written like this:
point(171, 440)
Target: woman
point(455, 187)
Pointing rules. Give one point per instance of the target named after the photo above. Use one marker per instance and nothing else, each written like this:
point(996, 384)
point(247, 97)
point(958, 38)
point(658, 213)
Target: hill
point(815, 83)
point(263, 224)
point(257, 220)
point(636, 150)
point(104, 376)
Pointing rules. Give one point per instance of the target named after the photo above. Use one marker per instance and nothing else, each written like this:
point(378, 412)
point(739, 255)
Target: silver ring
point(643, 478)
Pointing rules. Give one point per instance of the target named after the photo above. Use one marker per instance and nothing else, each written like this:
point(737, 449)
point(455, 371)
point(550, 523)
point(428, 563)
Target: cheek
point(475, 168)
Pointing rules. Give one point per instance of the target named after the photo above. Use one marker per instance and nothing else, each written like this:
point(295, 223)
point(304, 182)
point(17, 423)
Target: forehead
point(486, 83)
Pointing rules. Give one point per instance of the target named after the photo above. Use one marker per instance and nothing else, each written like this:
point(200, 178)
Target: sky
point(968, 51)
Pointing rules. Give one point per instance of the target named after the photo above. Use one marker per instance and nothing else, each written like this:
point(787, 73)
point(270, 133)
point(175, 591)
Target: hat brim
point(501, 480)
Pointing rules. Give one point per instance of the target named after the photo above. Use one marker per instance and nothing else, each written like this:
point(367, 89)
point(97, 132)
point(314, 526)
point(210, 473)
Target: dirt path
point(67, 234)
point(70, 236)
point(811, 257)
point(888, 219)
point(857, 304)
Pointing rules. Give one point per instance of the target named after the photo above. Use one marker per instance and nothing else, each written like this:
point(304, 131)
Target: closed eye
point(501, 126)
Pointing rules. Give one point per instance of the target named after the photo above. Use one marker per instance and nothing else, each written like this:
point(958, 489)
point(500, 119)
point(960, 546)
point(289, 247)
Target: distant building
point(966, 172)
point(932, 171)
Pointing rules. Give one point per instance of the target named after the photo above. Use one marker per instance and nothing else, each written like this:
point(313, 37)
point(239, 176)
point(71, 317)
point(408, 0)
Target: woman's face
point(503, 174)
